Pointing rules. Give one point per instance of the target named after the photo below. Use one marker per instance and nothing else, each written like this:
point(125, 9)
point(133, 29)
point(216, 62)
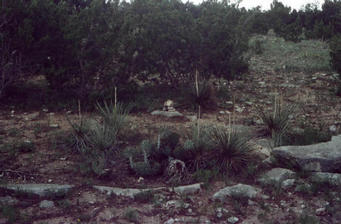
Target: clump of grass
point(232, 152)
point(277, 122)
point(131, 215)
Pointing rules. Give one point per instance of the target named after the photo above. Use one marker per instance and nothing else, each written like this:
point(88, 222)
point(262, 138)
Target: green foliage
point(195, 150)
point(335, 53)
point(232, 152)
point(204, 97)
point(256, 45)
point(151, 157)
point(309, 136)
point(14, 148)
point(10, 213)
point(167, 141)
point(277, 121)
point(205, 175)
point(96, 141)
point(131, 215)
point(306, 218)
point(306, 56)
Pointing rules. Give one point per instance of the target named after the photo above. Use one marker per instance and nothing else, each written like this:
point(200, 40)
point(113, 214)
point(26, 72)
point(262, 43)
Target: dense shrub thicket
point(86, 45)
point(83, 44)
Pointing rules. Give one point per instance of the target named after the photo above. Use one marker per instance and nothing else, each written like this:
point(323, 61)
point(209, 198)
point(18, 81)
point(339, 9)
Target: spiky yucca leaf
point(277, 121)
point(232, 151)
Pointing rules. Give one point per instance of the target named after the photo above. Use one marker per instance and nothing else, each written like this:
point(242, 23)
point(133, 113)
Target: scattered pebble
point(233, 219)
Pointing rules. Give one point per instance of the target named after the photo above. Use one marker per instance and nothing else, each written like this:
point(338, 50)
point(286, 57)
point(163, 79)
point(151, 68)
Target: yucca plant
point(277, 122)
point(114, 116)
point(201, 94)
point(232, 152)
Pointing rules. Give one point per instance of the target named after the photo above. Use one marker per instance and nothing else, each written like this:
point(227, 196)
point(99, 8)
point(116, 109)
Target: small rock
point(250, 202)
point(219, 215)
point(190, 210)
point(320, 212)
point(239, 109)
point(170, 221)
point(46, 204)
point(332, 128)
point(233, 219)
point(54, 126)
point(49, 180)
point(288, 183)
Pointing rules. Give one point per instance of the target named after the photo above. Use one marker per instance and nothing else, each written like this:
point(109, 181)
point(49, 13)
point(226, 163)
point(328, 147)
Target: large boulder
point(237, 191)
point(321, 157)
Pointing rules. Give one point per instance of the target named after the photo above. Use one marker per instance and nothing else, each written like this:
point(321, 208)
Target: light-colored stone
point(170, 221)
point(236, 191)
point(288, 183)
point(321, 157)
point(169, 114)
point(40, 189)
point(188, 189)
point(46, 204)
point(320, 211)
point(333, 179)
point(233, 219)
point(126, 192)
point(276, 176)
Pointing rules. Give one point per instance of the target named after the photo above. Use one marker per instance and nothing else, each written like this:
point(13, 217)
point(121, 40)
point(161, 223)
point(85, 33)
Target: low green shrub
point(308, 136)
point(131, 215)
point(205, 176)
point(195, 151)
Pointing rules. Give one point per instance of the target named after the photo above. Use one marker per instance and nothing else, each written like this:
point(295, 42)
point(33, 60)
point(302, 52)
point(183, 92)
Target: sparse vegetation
point(108, 64)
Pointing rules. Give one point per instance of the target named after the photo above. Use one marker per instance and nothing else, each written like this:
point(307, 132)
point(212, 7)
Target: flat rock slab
point(321, 157)
point(126, 192)
point(42, 190)
point(169, 114)
point(188, 189)
point(276, 176)
point(332, 179)
point(236, 191)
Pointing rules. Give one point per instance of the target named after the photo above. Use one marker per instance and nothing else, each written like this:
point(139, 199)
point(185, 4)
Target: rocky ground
point(42, 183)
